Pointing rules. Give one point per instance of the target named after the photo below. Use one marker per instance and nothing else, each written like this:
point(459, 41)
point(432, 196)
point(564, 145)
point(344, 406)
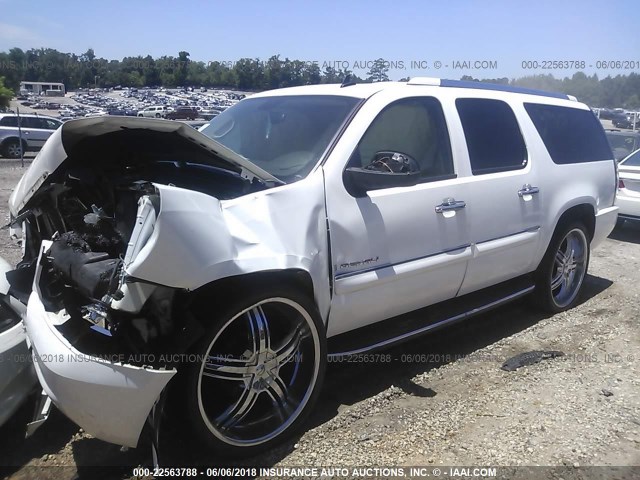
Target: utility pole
point(20, 136)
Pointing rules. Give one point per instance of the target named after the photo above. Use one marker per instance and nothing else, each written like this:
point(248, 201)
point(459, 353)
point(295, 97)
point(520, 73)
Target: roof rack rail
point(486, 86)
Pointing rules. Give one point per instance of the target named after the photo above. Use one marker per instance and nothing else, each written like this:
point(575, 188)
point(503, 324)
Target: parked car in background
point(122, 112)
point(605, 113)
point(183, 113)
point(36, 129)
point(229, 265)
point(158, 111)
point(623, 143)
point(623, 120)
point(628, 199)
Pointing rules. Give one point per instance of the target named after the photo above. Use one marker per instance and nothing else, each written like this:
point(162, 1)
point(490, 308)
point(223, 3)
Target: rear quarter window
point(9, 122)
point(571, 135)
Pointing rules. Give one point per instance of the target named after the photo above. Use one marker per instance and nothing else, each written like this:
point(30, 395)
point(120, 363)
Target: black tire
point(157, 115)
point(265, 358)
point(560, 275)
point(11, 149)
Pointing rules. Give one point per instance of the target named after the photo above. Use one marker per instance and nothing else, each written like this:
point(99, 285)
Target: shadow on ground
point(627, 232)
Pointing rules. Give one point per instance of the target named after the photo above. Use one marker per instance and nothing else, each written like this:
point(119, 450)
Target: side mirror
point(387, 170)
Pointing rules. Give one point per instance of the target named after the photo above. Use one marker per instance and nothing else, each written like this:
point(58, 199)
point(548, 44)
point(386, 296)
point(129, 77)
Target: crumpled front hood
point(63, 141)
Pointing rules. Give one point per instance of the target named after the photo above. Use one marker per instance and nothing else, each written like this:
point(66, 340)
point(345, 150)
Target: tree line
point(88, 70)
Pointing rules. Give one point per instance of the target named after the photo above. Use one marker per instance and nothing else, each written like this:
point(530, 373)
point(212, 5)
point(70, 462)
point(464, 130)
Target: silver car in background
point(34, 130)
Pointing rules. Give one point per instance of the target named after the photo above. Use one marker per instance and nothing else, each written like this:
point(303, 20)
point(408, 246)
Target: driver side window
point(412, 126)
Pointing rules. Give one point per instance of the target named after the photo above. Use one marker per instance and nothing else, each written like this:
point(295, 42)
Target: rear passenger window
point(571, 135)
point(30, 122)
point(414, 126)
point(493, 136)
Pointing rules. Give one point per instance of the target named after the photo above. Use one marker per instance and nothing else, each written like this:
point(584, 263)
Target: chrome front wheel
point(259, 374)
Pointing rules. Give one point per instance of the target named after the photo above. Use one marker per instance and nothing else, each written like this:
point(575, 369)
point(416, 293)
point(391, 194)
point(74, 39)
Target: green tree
point(330, 75)
point(378, 71)
point(273, 74)
point(311, 74)
point(182, 68)
point(6, 94)
point(249, 73)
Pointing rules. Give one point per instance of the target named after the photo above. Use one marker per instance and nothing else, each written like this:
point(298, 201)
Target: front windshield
point(284, 135)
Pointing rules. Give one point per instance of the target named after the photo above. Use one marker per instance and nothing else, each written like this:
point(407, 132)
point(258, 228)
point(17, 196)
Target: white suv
point(300, 225)
point(158, 111)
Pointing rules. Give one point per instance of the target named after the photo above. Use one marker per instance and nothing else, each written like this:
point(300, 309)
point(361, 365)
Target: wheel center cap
point(264, 374)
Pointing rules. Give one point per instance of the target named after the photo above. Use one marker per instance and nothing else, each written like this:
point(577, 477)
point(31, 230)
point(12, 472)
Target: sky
point(447, 39)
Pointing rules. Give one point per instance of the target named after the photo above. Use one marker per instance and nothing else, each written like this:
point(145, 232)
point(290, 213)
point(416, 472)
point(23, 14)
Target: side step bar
point(411, 325)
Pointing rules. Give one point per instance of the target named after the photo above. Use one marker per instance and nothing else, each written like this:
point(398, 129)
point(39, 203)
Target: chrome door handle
point(449, 204)
point(527, 190)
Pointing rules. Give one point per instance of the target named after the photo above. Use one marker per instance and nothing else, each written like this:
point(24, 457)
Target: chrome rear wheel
point(562, 270)
point(570, 267)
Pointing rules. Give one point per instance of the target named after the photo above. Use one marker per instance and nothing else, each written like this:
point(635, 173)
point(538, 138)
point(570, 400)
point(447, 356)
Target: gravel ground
point(439, 400)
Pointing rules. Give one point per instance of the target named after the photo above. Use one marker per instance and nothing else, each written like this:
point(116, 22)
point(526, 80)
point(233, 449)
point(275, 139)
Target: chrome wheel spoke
point(233, 415)
point(560, 258)
point(259, 331)
point(279, 394)
point(225, 368)
point(557, 281)
point(289, 348)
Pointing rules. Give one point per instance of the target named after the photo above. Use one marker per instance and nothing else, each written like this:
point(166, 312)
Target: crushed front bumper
point(109, 400)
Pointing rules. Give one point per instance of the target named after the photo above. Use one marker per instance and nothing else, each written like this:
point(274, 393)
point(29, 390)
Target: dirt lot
point(440, 400)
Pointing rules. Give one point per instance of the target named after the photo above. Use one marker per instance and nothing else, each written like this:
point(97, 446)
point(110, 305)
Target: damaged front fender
point(198, 239)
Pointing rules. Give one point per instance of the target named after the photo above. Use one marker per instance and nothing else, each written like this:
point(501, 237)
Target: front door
point(397, 249)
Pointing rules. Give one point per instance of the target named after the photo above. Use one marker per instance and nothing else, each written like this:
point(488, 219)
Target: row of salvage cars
point(224, 267)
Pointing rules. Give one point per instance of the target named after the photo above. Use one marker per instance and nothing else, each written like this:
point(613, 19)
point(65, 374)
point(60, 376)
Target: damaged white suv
point(300, 224)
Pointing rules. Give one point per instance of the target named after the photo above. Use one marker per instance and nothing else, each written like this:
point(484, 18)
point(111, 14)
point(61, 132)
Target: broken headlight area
point(83, 278)
point(153, 337)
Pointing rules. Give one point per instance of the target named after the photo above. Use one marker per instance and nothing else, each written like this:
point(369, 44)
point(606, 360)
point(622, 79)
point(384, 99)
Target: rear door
point(33, 132)
point(502, 191)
